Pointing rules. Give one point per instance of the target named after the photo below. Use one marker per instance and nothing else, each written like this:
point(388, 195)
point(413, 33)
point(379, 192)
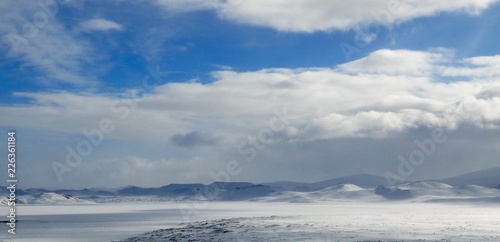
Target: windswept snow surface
point(258, 221)
point(314, 228)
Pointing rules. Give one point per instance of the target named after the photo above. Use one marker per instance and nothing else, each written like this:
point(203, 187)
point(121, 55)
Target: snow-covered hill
point(342, 192)
point(50, 198)
point(360, 180)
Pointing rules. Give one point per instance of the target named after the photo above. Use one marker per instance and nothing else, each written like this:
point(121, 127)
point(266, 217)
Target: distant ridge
point(475, 186)
point(486, 178)
point(227, 191)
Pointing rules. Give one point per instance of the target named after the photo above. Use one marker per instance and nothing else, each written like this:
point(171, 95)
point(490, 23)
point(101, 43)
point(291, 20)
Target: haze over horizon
point(111, 94)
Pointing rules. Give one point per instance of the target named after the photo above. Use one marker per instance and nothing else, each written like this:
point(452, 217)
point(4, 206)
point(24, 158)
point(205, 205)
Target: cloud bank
point(325, 15)
point(389, 91)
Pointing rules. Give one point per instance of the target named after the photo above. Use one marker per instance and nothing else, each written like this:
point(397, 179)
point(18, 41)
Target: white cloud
point(364, 98)
point(325, 15)
point(483, 66)
point(395, 62)
point(100, 24)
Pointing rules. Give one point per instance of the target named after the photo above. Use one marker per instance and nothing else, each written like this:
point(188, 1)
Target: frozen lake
point(325, 221)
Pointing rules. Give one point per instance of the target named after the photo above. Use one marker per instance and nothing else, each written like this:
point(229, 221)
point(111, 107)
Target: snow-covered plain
point(352, 208)
point(259, 221)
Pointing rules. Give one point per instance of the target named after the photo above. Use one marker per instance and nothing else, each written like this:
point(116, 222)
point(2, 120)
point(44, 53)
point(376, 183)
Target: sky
point(107, 94)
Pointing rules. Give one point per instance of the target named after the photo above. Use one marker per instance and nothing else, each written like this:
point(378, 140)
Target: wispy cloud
point(45, 45)
point(100, 24)
point(188, 5)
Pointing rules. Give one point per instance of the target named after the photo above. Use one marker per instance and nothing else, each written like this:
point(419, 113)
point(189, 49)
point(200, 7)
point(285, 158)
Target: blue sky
point(192, 44)
point(226, 65)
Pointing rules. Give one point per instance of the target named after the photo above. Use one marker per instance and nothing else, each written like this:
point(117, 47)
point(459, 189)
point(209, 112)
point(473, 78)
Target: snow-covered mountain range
point(481, 186)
